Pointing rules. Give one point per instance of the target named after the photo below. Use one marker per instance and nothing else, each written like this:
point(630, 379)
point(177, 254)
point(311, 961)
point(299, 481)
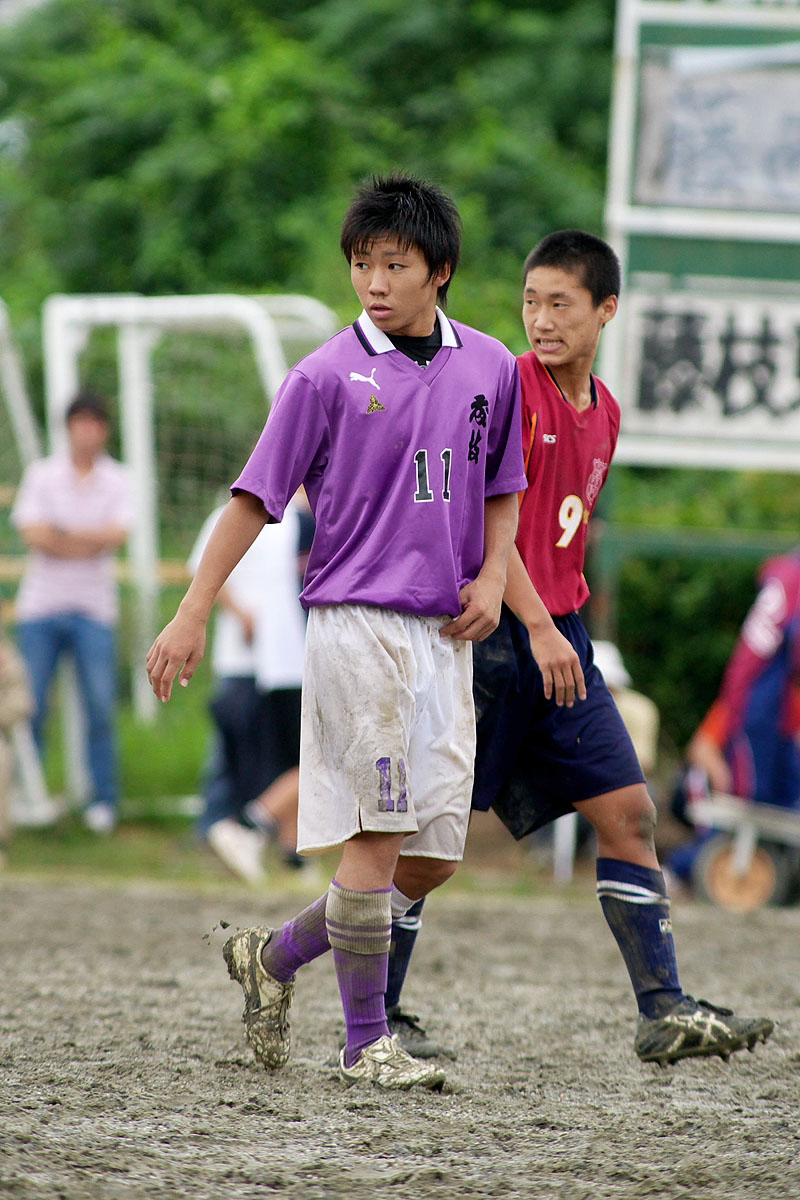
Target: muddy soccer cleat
point(386, 1064)
point(697, 1029)
point(412, 1037)
point(266, 1000)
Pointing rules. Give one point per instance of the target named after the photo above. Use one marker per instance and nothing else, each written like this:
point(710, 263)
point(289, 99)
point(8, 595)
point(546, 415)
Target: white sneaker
point(240, 849)
point(100, 818)
point(386, 1064)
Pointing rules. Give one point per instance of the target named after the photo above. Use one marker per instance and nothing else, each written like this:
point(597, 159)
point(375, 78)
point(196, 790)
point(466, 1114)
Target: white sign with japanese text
point(712, 373)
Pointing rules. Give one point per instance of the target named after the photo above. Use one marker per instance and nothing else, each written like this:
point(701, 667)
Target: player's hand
point(560, 665)
point(481, 602)
point(177, 650)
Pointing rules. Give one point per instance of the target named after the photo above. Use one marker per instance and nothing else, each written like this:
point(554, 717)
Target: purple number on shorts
point(402, 803)
point(385, 802)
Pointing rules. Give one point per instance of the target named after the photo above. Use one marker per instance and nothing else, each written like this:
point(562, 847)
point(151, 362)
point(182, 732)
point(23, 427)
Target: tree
point(163, 145)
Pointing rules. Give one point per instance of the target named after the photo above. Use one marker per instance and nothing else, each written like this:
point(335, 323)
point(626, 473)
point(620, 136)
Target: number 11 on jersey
point(423, 494)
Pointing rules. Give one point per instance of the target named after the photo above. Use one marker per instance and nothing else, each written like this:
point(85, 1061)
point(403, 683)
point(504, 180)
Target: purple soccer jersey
point(397, 461)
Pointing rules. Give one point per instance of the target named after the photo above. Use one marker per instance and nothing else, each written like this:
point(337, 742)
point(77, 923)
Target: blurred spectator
point(747, 744)
point(250, 791)
point(73, 511)
point(638, 712)
point(16, 704)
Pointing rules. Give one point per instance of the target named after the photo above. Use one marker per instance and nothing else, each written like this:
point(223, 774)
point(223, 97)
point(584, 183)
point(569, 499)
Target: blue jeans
point(93, 650)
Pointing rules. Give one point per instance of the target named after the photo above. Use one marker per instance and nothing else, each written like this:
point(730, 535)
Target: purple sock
point(298, 942)
point(359, 930)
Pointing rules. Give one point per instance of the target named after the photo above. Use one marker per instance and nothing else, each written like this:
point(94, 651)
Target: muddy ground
point(124, 1073)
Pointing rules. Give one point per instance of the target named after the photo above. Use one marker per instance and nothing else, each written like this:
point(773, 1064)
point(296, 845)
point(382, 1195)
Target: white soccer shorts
point(388, 731)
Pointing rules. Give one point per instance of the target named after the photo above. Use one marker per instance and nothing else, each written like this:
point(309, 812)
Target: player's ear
point(441, 277)
point(608, 308)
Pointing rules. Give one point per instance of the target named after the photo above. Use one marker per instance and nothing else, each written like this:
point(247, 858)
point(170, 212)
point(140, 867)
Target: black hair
point(417, 213)
point(91, 404)
point(582, 254)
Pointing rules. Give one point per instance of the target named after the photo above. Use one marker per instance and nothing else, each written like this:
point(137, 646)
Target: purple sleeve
point(505, 466)
point(292, 449)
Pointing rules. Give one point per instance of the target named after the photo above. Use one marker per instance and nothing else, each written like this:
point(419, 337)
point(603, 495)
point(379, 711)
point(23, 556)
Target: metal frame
point(140, 322)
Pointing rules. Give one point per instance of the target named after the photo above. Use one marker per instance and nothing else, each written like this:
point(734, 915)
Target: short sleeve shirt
point(397, 460)
point(567, 456)
point(52, 492)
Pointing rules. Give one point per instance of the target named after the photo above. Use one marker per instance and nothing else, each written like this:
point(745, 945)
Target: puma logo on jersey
point(549, 438)
point(356, 378)
point(375, 405)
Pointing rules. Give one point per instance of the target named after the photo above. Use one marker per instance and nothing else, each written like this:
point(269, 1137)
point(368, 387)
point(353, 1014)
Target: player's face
point(561, 320)
point(394, 288)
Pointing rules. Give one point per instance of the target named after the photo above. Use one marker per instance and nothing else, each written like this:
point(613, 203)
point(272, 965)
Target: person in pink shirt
point(73, 511)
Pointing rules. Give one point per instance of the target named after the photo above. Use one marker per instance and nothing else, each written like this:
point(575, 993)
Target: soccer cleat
point(412, 1037)
point(694, 1029)
point(386, 1064)
point(266, 1000)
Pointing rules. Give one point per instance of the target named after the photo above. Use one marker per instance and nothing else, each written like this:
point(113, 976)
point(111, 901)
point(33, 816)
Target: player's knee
point(644, 819)
point(416, 876)
point(622, 818)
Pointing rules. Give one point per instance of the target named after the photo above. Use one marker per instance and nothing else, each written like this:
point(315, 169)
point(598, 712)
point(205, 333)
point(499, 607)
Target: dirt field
point(125, 1073)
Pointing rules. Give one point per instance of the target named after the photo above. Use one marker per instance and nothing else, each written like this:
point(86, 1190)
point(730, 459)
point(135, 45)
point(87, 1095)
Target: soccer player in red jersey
point(550, 738)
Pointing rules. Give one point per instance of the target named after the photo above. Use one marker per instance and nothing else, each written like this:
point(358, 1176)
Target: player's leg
point(355, 793)
point(358, 920)
point(441, 760)
point(502, 690)
point(633, 896)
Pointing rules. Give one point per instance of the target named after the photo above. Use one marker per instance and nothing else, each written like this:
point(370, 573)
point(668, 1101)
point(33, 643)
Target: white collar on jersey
point(375, 340)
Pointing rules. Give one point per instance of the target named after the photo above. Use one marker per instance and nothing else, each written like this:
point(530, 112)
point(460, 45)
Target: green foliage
point(168, 146)
point(678, 621)
point(704, 499)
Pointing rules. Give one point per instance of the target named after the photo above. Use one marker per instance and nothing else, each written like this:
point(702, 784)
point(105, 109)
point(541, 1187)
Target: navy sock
point(404, 935)
point(635, 904)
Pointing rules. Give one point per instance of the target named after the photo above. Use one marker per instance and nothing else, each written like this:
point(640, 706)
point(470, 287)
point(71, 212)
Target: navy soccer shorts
point(535, 759)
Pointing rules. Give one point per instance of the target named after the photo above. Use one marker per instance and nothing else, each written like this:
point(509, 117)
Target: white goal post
point(140, 321)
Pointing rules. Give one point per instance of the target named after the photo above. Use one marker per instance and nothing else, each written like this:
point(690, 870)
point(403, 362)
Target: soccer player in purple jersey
point(405, 430)
point(549, 738)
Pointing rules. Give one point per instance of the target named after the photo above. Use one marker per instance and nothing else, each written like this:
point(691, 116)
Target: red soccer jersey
point(768, 649)
point(567, 456)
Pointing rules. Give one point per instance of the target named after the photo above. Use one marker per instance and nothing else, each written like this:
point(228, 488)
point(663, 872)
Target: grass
point(165, 848)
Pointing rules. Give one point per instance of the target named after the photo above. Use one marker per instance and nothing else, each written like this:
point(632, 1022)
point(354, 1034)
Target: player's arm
point(482, 599)
point(555, 655)
point(179, 647)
